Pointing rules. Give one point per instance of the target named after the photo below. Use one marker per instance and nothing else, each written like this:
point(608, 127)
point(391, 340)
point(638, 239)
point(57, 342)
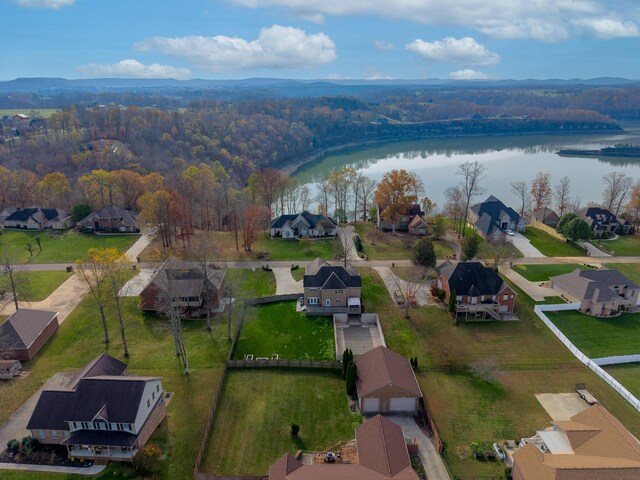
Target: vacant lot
point(245, 283)
point(277, 328)
point(631, 270)
point(222, 247)
point(59, 247)
point(600, 337)
point(623, 246)
point(541, 273)
point(379, 245)
point(466, 408)
point(251, 429)
point(550, 246)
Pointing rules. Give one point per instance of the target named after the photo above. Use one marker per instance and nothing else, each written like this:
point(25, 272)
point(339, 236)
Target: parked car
point(398, 297)
point(509, 232)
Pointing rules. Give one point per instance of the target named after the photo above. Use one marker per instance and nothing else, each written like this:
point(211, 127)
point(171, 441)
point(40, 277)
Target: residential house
point(330, 289)
point(492, 218)
point(191, 288)
point(386, 382)
point(303, 224)
point(412, 221)
point(602, 292)
point(6, 212)
point(103, 414)
point(36, 218)
point(9, 369)
point(479, 290)
point(26, 332)
point(382, 455)
point(545, 216)
point(110, 219)
point(602, 220)
point(592, 444)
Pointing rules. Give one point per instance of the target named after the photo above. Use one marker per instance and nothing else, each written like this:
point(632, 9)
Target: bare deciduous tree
point(541, 190)
point(498, 252)
point(13, 277)
point(408, 289)
point(487, 369)
point(454, 205)
point(561, 195)
point(472, 174)
point(521, 190)
point(616, 190)
point(91, 271)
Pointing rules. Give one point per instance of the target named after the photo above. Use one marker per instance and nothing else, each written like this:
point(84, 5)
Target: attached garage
point(386, 382)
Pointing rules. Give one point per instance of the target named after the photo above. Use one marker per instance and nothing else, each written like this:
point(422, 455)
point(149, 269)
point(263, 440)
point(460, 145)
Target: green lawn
point(600, 337)
point(151, 345)
point(541, 273)
point(37, 112)
point(623, 246)
point(59, 247)
point(245, 283)
point(379, 245)
point(35, 286)
point(550, 246)
point(631, 270)
point(628, 374)
point(251, 429)
point(278, 328)
point(298, 274)
point(468, 409)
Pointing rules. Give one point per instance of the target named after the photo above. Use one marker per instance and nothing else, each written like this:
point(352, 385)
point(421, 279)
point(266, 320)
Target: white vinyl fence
point(540, 309)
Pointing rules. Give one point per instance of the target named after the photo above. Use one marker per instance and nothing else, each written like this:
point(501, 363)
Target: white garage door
point(370, 405)
point(403, 404)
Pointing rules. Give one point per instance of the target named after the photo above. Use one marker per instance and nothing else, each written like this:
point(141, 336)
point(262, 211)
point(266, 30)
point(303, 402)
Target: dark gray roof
point(40, 214)
point(311, 218)
point(471, 278)
point(23, 327)
point(52, 410)
point(102, 438)
point(600, 218)
point(187, 279)
point(334, 283)
point(103, 364)
point(319, 272)
point(126, 217)
point(489, 213)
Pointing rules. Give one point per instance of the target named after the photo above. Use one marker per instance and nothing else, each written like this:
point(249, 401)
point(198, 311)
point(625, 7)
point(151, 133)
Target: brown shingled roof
point(381, 367)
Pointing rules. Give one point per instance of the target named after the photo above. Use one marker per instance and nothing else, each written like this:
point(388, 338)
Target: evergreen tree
point(351, 379)
point(424, 254)
point(345, 362)
point(470, 246)
point(452, 302)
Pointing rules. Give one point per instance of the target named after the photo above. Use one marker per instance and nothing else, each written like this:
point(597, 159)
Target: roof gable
point(472, 278)
point(319, 272)
point(381, 446)
point(382, 367)
point(23, 327)
point(490, 212)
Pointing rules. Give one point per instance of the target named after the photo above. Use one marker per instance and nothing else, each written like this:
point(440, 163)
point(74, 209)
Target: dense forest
point(150, 132)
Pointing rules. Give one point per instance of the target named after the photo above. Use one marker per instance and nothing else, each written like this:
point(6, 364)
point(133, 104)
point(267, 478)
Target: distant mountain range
point(285, 87)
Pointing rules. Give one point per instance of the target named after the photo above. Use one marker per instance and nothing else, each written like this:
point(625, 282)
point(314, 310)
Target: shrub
point(605, 236)
point(13, 445)
point(148, 459)
point(508, 473)
point(441, 295)
point(29, 444)
point(295, 428)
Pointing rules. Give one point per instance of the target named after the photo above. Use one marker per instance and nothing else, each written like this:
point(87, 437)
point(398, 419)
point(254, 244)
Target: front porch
point(94, 452)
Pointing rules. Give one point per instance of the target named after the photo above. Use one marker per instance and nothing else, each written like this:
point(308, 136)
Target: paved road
point(523, 244)
point(88, 471)
point(431, 460)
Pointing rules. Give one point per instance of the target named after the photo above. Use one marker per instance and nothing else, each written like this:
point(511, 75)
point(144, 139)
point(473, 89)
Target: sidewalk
point(92, 470)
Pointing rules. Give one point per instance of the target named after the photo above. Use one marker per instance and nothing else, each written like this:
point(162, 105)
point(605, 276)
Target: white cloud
point(53, 4)
point(382, 45)
point(464, 51)
point(275, 47)
point(468, 74)
point(130, 68)
point(607, 27)
point(373, 74)
point(544, 20)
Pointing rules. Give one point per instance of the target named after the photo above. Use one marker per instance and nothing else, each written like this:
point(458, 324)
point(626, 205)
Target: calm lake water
point(507, 159)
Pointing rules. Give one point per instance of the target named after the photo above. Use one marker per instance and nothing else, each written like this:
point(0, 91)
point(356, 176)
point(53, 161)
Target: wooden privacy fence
point(268, 362)
point(272, 299)
point(547, 229)
point(432, 427)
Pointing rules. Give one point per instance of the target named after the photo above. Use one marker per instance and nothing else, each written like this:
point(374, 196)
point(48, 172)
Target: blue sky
point(372, 39)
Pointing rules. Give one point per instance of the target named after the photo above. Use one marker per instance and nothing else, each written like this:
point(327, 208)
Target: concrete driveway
point(533, 289)
point(134, 287)
point(393, 283)
point(523, 244)
point(431, 460)
point(349, 232)
point(285, 283)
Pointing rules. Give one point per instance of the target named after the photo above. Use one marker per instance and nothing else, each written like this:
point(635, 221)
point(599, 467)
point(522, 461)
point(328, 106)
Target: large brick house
point(110, 219)
point(479, 290)
point(492, 218)
point(602, 220)
point(190, 288)
point(601, 293)
point(411, 221)
point(591, 445)
point(102, 414)
point(304, 224)
point(386, 382)
point(330, 289)
point(26, 332)
point(36, 218)
point(381, 455)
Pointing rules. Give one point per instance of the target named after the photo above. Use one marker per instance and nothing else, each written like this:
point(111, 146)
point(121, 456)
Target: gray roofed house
point(26, 332)
point(545, 216)
point(330, 289)
point(602, 220)
point(602, 292)
point(100, 416)
point(110, 219)
point(36, 218)
point(492, 219)
point(304, 224)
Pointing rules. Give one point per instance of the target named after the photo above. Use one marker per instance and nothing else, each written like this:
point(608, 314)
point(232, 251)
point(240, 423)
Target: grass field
point(35, 286)
point(379, 245)
point(298, 274)
point(541, 273)
point(79, 339)
point(623, 246)
point(466, 408)
point(251, 429)
point(627, 374)
point(552, 247)
point(278, 328)
point(600, 337)
point(631, 270)
point(223, 248)
point(33, 113)
point(245, 283)
point(59, 247)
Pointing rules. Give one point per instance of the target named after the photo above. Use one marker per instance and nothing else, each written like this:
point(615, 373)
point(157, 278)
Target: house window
point(505, 296)
point(54, 434)
point(158, 388)
point(314, 300)
point(474, 300)
point(328, 302)
point(153, 395)
point(41, 434)
point(148, 403)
